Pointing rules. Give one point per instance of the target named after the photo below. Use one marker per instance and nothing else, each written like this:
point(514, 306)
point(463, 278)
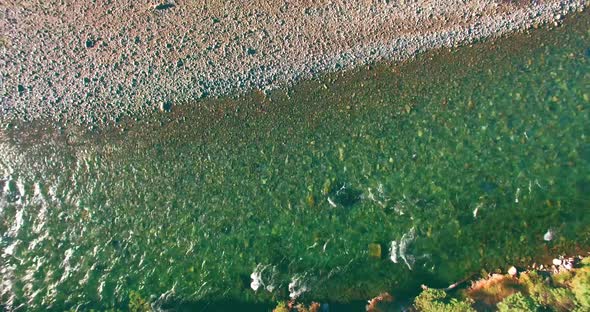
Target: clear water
point(460, 161)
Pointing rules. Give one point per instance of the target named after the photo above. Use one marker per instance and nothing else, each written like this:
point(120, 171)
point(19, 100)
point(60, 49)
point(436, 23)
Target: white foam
point(297, 286)
point(263, 276)
point(548, 236)
point(399, 250)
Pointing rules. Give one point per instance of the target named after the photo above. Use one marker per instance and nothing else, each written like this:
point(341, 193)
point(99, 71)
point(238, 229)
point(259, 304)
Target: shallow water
point(450, 163)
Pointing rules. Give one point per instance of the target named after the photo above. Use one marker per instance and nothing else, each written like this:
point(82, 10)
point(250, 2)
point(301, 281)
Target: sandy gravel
point(93, 61)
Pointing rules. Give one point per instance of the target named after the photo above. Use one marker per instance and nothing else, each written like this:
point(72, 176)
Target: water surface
point(449, 164)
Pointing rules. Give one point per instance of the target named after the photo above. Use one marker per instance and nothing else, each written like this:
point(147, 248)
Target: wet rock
point(488, 186)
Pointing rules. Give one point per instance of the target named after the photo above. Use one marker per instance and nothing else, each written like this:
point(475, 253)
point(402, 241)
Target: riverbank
point(562, 285)
point(94, 63)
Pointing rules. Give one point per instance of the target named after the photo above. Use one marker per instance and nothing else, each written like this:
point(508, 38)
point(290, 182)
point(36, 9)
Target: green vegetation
point(518, 303)
point(558, 290)
point(532, 291)
point(433, 300)
point(137, 303)
point(580, 285)
point(281, 307)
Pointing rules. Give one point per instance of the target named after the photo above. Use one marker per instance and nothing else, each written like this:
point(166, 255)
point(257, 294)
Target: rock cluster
point(94, 61)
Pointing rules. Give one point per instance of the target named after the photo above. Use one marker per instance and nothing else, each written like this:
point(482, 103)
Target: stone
point(557, 262)
point(512, 271)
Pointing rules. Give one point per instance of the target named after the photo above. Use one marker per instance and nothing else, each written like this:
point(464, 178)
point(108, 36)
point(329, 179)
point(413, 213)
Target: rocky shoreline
point(93, 63)
point(559, 286)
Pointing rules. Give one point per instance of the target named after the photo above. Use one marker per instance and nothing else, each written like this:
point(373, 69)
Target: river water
point(336, 189)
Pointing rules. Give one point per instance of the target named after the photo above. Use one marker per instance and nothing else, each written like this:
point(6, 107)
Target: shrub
point(518, 303)
point(281, 307)
point(137, 303)
point(580, 286)
point(561, 299)
point(433, 300)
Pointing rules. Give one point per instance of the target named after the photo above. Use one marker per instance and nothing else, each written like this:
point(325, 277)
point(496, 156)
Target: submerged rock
point(375, 250)
point(346, 196)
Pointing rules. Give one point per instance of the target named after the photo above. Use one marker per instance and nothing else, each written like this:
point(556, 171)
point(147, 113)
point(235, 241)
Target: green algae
point(476, 152)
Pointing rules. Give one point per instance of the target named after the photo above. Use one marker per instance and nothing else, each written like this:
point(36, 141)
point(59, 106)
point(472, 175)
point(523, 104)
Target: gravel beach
point(92, 62)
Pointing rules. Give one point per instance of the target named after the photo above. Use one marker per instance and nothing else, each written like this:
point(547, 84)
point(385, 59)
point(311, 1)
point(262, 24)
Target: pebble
point(557, 262)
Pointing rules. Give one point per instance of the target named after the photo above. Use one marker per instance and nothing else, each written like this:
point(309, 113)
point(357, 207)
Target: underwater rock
point(345, 196)
point(374, 250)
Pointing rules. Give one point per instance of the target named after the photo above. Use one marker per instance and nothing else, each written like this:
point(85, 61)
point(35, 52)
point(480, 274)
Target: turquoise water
point(449, 164)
